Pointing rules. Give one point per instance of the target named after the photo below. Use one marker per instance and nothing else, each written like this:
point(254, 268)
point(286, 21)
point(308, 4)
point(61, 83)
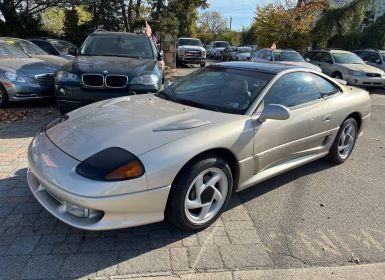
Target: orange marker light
point(130, 170)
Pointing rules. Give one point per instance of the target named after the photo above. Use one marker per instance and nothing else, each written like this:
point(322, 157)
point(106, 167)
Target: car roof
point(330, 51)
point(102, 32)
point(273, 68)
point(188, 38)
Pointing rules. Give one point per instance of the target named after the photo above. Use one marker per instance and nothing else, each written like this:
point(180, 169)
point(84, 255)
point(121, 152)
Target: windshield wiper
point(197, 104)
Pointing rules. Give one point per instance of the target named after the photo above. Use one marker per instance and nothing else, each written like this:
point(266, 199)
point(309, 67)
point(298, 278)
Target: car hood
point(113, 65)
point(301, 64)
point(27, 66)
point(52, 59)
point(363, 67)
point(137, 124)
point(245, 54)
point(219, 49)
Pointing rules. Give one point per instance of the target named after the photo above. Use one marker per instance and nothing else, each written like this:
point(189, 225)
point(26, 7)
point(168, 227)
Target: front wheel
point(3, 98)
point(337, 75)
point(203, 64)
point(200, 193)
point(344, 143)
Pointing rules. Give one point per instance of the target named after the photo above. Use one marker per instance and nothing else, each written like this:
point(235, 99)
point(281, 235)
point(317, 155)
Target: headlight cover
point(64, 76)
point(13, 77)
point(112, 164)
point(356, 73)
point(148, 80)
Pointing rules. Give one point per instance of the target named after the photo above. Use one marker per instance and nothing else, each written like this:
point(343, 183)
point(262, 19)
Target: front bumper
point(192, 60)
point(20, 92)
point(365, 81)
point(74, 96)
point(56, 186)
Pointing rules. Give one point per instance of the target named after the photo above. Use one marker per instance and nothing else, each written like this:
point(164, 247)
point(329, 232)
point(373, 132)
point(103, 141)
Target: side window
point(324, 86)
point(292, 90)
point(309, 55)
point(317, 56)
point(374, 58)
point(363, 55)
point(45, 46)
point(327, 58)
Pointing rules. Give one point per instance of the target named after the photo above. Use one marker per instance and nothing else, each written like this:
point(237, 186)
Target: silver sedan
point(181, 153)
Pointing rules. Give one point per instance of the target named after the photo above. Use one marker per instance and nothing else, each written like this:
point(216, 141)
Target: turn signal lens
point(131, 170)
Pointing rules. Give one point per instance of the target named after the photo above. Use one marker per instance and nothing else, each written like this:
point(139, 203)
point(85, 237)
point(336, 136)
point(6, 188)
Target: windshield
point(190, 42)
point(244, 50)
point(347, 58)
point(8, 51)
point(218, 89)
point(221, 44)
point(118, 45)
point(63, 46)
point(288, 56)
point(27, 47)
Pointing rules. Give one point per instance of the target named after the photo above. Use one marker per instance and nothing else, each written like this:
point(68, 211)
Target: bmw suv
point(346, 66)
point(109, 64)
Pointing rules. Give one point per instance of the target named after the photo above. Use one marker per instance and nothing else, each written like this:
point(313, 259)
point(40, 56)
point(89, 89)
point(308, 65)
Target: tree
point(212, 22)
point(288, 24)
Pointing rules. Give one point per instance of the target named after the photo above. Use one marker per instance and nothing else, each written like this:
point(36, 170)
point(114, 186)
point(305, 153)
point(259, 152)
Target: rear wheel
point(4, 102)
point(200, 193)
point(345, 141)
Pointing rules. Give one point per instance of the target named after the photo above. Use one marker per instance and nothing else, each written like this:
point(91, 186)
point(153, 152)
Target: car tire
point(189, 211)
point(344, 142)
point(62, 109)
point(4, 101)
point(337, 75)
point(203, 64)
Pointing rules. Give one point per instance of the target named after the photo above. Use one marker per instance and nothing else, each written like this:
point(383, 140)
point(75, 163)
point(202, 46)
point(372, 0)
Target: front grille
point(193, 53)
point(373, 75)
point(116, 81)
point(46, 80)
point(93, 80)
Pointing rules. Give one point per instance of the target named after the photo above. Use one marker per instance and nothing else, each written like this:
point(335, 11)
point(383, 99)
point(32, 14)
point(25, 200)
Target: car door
point(305, 133)
point(326, 64)
point(315, 59)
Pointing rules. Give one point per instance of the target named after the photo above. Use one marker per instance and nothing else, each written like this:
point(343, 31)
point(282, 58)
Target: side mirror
point(160, 55)
point(307, 59)
point(274, 112)
point(73, 51)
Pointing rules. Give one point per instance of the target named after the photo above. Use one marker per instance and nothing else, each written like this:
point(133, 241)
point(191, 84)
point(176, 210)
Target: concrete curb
point(350, 272)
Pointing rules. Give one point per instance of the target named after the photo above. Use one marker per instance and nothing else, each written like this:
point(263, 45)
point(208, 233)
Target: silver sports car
point(181, 153)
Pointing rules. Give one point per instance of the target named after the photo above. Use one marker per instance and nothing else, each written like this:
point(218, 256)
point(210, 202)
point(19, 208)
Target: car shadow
point(82, 253)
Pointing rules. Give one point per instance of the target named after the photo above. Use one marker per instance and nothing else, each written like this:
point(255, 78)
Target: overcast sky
point(242, 11)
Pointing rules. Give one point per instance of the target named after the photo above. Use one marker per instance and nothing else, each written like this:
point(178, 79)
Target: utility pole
point(231, 21)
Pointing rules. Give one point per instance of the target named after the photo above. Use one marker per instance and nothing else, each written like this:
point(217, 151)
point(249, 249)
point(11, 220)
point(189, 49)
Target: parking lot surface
point(316, 215)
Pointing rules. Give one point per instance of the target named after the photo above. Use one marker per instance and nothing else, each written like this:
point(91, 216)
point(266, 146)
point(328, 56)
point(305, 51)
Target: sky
point(242, 11)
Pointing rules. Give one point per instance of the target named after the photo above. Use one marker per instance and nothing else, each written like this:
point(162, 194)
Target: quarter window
point(292, 90)
point(317, 56)
point(324, 86)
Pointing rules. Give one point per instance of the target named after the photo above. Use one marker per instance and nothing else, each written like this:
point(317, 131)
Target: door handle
point(327, 118)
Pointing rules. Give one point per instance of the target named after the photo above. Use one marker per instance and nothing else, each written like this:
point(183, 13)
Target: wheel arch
point(358, 118)
point(223, 153)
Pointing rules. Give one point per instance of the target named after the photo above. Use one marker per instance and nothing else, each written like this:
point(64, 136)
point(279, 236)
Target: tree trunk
point(124, 15)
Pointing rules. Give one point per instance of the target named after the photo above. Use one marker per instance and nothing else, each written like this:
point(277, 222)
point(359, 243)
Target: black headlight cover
point(100, 165)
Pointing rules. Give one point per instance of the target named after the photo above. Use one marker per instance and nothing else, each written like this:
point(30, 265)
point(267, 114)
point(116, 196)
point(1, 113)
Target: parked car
point(181, 153)
point(34, 51)
point(54, 46)
point(216, 49)
point(190, 51)
point(243, 54)
point(109, 64)
point(290, 57)
point(228, 53)
point(373, 57)
point(347, 66)
point(23, 77)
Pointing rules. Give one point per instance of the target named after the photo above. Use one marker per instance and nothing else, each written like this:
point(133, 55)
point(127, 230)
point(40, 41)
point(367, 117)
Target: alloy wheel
point(347, 140)
point(206, 195)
